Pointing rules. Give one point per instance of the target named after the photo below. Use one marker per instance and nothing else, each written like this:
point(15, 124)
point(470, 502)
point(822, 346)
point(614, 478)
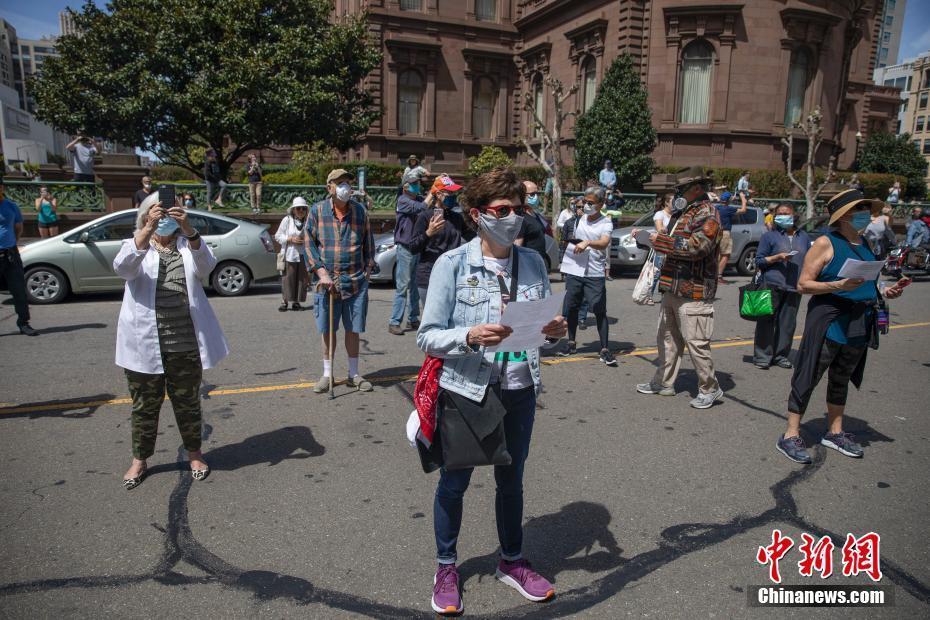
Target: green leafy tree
point(618, 127)
point(488, 159)
point(172, 75)
point(898, 155)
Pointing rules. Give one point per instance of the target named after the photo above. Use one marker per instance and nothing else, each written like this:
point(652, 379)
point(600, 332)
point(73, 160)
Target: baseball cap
point(725, 197)
point(444, 184)
point(339, 173)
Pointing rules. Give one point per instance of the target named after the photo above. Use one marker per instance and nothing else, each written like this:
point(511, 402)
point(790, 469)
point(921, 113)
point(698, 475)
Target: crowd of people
point(463, 254)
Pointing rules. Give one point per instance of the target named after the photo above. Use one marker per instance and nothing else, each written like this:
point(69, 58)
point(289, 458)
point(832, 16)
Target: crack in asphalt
point(678, 541)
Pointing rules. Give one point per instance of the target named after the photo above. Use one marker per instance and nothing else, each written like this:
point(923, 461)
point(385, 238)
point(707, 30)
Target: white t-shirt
point(662, 218)
point(517, 375)
point(592, 231)
point(564, 216)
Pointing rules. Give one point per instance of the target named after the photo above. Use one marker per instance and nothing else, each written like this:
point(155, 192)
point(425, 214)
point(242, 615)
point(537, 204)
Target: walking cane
point(332, 343)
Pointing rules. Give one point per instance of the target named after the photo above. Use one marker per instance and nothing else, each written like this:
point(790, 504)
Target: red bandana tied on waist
point(425, 394)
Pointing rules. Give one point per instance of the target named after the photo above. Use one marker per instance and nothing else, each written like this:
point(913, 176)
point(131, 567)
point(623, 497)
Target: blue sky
point(34, 18)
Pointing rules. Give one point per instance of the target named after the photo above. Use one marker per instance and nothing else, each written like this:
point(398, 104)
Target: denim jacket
point(462, 294)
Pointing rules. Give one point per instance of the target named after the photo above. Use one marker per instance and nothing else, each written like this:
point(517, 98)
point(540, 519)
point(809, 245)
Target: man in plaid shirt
point(689, 281)
point(341, 253)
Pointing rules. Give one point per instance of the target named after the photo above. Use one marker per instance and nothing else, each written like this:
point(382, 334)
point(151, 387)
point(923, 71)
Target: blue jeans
point(406, 268)
point(508, 504)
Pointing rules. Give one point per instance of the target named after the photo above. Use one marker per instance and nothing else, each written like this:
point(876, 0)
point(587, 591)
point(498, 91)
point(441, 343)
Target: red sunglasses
point(504, 210)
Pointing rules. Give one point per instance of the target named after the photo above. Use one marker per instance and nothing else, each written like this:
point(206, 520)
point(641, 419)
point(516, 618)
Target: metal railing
point(73, 196)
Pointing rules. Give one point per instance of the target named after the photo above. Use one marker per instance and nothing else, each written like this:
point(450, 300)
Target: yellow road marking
point(257, 389)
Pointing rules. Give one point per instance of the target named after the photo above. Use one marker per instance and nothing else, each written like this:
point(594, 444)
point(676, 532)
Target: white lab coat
point(137, 346)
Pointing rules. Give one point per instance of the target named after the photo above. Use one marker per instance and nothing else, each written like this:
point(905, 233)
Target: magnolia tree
point(547, 152)
point(812, 129)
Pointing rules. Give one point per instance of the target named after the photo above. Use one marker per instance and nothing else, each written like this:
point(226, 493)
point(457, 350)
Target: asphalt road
point(635, 505)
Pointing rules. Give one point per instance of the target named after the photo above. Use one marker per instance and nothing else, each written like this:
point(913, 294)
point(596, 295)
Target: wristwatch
point(193, 237)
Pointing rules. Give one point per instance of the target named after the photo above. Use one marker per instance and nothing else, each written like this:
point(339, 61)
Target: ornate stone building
point(724, 79)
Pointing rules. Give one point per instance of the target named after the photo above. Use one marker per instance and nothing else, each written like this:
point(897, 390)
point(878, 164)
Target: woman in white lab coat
point(167, 332)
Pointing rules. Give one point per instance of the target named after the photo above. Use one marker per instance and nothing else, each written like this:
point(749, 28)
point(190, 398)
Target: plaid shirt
point(345, 248)
point(692, 253)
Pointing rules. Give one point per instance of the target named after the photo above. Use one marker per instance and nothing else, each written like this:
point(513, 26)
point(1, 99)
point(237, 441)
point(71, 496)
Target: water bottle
point(884, 320)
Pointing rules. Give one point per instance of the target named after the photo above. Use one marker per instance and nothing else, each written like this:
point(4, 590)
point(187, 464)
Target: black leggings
point(591, 292)
point(841, 360)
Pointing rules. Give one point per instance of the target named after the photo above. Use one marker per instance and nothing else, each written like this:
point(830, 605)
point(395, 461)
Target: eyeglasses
point(505, 210)
point(532, 194)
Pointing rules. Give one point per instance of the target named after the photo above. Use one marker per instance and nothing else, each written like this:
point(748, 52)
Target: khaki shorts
point(726, 243)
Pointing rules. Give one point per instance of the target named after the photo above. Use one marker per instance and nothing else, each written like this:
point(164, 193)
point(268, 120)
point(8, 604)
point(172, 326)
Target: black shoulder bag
point(472, 434)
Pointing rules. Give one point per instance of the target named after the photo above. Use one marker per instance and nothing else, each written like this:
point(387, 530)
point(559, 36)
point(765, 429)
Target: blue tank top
point(46, 215)
point(843, 249)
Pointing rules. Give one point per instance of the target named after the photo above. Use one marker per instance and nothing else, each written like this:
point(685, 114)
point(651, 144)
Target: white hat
point(297, 203)
point(144, 207)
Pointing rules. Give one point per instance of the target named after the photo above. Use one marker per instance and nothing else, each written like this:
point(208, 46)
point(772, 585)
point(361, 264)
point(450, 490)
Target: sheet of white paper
point(574, 264)
point(527, 318)
point(865, 269)
point(642, 237)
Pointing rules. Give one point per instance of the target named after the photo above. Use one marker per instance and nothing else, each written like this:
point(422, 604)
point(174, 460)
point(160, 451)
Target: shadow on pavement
point(290, 442)
point(83, 407)
point(562, 541)
point(387, 377)
point(62, 329)
point(815, 428)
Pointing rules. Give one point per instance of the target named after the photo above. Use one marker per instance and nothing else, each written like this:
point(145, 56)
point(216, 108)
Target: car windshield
point(646, 218)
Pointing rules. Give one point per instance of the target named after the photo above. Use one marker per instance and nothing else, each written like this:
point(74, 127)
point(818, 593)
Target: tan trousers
point(255, 196)
point(685, 323)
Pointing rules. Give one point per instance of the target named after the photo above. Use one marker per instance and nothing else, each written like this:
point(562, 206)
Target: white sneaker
point(706, 401)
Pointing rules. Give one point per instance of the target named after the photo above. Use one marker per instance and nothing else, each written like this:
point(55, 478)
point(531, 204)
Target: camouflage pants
point(182, 380)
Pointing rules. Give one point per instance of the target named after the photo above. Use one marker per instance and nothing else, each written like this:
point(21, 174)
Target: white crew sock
point(327, 368)
point(353, 366)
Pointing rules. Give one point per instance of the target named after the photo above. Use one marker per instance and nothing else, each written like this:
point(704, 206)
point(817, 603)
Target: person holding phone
point(47, 207)
point(83, 150)
point(840, 327)
point(436, 231)
point(167, 333)
point(290, 236)
point(780, 258)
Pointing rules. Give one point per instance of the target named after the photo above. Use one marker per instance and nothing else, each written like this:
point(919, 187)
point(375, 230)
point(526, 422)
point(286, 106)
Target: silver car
point(386, 256)
point(748, 229)
point(81, 260)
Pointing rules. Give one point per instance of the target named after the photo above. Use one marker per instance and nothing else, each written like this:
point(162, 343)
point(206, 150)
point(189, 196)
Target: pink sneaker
point(447, 598)
point(522, 578)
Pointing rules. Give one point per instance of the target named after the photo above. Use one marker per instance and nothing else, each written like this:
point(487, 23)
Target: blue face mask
point(166, 227)
point(413, 188)
point(533, 200)
point(860, 220)
point(449, 201)
point(189, 203)
point(784, 221)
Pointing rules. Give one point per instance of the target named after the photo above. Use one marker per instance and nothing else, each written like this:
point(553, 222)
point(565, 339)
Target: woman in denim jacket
point(460, 320)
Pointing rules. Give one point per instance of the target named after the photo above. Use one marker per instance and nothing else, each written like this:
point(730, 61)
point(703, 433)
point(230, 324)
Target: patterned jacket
point(692, 253)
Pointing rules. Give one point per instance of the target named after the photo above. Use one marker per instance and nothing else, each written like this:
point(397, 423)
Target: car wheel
point(46, 285)
point(231, 279)
point(747, 262)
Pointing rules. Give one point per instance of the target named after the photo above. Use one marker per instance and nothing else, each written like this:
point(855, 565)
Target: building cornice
point(405, 19)
point(541, 13)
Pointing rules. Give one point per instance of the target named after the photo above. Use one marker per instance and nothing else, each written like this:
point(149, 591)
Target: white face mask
point(590, 209)
point(343, 192)
point(502, 232)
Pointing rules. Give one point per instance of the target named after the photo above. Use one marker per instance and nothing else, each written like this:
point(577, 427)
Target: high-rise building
point(32, 53)
point(889, 34)
point(898, 76)
point(66, 23)
point(917, 120)
point(9, 48)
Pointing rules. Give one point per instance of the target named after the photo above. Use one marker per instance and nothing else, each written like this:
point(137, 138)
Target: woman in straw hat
point(290, 236)
point(167, 332)
point(841, 324)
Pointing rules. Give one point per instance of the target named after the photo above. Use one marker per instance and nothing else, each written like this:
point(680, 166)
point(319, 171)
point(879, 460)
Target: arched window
point(486, 10)
point(409, 98)
point(482, 111)
point(696, 64)
point(589, 82)
point(798, 75)
point(539, 103)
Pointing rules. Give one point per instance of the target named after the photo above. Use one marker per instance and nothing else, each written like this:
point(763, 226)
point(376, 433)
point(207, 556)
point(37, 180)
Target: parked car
point(385, 256)
point(815, 227)
point(748, 229)
point(81, 260)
